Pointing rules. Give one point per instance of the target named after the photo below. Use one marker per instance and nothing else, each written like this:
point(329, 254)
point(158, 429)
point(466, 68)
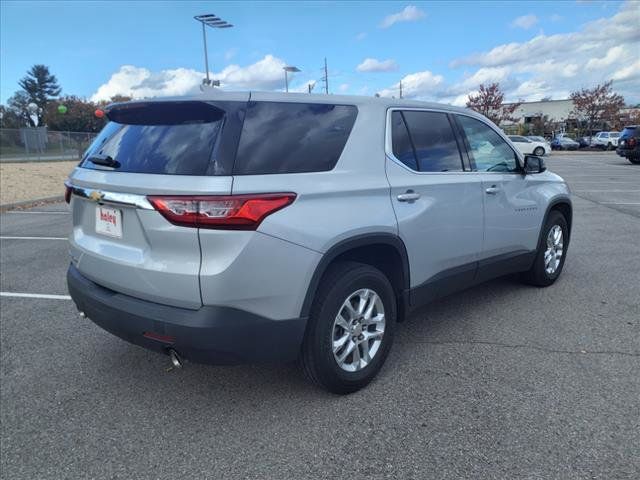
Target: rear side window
point(433, 141)
point(177, 138)
point(279, 137)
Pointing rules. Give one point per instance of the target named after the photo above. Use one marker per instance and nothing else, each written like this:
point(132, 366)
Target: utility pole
point(326, 77)
point(400, 88)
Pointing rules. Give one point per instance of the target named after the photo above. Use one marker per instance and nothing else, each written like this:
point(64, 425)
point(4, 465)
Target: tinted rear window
point(629, 132)
point(292, 137)
point(177, 138)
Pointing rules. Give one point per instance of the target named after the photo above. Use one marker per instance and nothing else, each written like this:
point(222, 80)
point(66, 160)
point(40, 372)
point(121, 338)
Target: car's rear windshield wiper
point(105, 160)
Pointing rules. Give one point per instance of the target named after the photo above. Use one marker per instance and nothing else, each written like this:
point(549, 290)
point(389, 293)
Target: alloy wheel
point(358, 329)
point(554, 251)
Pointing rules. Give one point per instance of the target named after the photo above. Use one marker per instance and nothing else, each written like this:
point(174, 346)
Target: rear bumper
point(211, 334)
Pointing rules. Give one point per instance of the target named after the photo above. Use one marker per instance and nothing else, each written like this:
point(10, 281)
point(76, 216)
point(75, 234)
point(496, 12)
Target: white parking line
point(34, 238)
point(35, 295)
point(31, 211)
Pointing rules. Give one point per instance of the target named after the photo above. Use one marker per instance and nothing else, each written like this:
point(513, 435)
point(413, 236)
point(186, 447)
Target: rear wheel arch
point(384, 251)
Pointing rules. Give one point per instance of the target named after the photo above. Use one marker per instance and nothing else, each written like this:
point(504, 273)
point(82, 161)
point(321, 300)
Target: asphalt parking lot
point(501, 381)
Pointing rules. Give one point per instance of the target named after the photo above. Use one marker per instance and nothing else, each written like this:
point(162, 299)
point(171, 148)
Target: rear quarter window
point(280, 137)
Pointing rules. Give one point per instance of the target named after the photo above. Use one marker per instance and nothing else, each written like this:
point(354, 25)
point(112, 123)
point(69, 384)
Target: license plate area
point(108, 221)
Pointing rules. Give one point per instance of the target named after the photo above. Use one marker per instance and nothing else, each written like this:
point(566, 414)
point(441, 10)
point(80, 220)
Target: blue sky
point(440, 50)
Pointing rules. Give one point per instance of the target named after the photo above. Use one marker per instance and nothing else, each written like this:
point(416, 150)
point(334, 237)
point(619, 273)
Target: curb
point(31, 203)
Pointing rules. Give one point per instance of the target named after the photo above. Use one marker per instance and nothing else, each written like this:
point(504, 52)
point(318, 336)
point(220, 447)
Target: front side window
point(432, 139)
point(487, 149)
point(280, 137)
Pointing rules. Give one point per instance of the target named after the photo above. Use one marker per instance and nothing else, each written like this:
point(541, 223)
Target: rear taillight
point(631, 142)
point(67, 193)
point(234, 212)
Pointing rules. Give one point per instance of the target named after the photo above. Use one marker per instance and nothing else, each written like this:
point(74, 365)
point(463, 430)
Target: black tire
point(634, 160)
point(609, 146)
point(317, 358)
point(538, 151)
point(538, 275)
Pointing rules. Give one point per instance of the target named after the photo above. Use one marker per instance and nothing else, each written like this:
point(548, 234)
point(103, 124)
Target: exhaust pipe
point(176, 361)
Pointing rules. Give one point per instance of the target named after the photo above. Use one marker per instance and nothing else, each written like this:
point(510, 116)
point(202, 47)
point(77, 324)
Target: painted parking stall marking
point(35, 295)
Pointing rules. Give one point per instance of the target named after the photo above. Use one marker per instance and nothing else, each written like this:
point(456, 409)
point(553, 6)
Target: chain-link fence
point(39, 144)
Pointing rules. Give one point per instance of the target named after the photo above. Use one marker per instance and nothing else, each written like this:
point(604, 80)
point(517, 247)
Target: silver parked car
point(246, 227)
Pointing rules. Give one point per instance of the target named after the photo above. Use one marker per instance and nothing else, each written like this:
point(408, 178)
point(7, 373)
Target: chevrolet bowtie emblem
point(96, 196)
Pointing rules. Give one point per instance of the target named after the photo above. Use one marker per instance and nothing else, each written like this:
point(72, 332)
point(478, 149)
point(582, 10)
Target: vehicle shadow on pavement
point(115, 359)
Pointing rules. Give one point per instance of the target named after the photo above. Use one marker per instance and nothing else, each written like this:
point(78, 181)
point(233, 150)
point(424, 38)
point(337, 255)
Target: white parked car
point(530, 147)
point(606, 140)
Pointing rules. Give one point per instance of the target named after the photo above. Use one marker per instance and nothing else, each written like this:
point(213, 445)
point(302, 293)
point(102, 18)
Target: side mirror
point(533, 164)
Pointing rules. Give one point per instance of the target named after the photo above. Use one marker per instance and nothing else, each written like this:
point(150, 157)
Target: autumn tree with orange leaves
point(489, 101)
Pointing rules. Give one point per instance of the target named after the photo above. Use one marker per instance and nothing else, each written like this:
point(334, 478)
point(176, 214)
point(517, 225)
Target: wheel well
point(383, 256)
point(566, 211)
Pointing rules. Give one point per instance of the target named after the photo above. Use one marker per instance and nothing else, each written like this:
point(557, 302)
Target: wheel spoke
point(364, 299)
point(365, 351)
point(339, 343)
point(376, 335)
point(343, 356)
point(350, 310)
point(342, 322)
point(356, 356)
point(372, 304)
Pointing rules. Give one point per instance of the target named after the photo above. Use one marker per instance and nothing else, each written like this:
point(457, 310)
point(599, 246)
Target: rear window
point(177, 138)
point(221, 138)
point(628, 131)
point(292, 137)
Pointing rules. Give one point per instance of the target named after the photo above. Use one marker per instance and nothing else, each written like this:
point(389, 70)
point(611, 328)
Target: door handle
point(492, 190)
point(409, 196)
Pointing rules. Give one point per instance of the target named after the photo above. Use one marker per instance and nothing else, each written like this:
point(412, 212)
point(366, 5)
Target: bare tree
point(597, 104)
point(490, 102)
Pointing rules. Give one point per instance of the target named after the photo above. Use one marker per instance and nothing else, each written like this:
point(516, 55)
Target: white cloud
point(410, 13)
point(229, 54)
point(555, 17)
point(630, 72)
point(420, 84)
point(484, 75)
point(375, 65)
point(361, 36)
point(525, 21)
point(138, 82)
point(614, 55)
point(597, 51)
point(343, 87)
point(264, 74)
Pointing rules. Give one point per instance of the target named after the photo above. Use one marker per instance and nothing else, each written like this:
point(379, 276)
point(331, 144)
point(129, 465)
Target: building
point(542, 118)
point(546, 118)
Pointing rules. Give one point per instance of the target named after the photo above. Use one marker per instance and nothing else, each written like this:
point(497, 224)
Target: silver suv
point(252, 227)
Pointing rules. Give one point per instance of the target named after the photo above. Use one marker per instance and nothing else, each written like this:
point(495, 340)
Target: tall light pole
point(288, 69)
point(210, 20)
